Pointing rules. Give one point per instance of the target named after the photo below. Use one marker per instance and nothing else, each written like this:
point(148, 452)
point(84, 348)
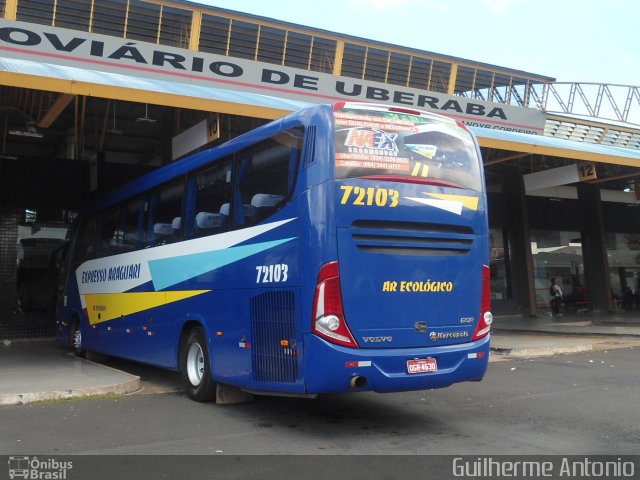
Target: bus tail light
point(328, 315)
point(486, 317)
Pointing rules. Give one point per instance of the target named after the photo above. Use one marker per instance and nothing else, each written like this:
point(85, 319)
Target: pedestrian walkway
point(531, 344)
point(618, 323)
point(39, 370)
point(518, 336)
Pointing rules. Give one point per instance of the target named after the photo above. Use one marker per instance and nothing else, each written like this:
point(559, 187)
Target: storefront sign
point(84, 50)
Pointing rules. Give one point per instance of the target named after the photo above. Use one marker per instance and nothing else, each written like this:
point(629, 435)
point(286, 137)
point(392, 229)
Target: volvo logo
point(377, 339)
point(420, 327)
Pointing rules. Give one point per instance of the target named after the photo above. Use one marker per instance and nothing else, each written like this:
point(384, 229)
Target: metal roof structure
point(452, 58)
point(73, 99)
point(501, 146)
point(550, 146)
point(80, 81)
point(71, 80)
point(77, 81)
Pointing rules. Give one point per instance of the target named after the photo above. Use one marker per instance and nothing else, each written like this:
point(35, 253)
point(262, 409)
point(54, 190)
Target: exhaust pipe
point(358, 381)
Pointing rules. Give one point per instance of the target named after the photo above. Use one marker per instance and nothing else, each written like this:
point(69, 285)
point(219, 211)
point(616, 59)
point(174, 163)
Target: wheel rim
point(195, 364)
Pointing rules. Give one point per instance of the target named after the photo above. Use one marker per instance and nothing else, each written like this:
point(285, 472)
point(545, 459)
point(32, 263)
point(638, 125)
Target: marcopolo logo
point(433, 336)
point(37, 469)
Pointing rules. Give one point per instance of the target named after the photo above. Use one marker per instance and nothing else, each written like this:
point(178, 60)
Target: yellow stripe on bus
point(102, 307)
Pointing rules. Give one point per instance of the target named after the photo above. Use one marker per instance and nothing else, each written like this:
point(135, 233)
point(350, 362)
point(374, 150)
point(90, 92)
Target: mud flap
point(228, 395)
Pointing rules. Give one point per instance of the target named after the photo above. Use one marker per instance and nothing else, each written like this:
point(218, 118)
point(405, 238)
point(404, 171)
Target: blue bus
point(340, 248)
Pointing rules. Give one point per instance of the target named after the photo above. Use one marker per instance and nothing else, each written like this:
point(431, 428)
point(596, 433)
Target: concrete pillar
point(10, 218)
point(103, 169)
point(517, 227)
point(594, 248)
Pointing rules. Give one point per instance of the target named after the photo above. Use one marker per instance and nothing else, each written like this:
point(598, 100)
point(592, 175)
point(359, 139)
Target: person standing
point(556, 296)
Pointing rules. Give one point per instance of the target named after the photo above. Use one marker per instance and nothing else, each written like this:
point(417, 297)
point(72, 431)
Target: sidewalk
point(40, 370)
point(546, 335)
point(618, 323)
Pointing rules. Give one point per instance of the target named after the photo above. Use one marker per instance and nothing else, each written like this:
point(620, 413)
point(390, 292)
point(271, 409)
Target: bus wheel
point(75, 339)
point(195, 366)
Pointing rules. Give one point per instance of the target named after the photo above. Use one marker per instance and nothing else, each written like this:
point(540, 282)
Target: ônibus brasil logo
point(37, 469)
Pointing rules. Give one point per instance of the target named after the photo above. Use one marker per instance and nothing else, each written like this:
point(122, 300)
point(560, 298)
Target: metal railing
point(600, 100)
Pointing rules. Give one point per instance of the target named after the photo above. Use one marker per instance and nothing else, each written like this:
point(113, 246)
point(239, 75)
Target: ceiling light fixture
point(29, 131)
point(146, 118)
point(114, 130)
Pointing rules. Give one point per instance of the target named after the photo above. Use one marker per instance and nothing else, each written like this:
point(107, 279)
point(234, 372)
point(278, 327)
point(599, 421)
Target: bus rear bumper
point(339, 369)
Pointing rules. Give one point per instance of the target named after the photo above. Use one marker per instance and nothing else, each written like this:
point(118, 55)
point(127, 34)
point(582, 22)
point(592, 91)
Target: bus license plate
point(422, 365)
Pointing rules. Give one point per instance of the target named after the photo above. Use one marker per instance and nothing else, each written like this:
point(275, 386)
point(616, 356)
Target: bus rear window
point(379, 142)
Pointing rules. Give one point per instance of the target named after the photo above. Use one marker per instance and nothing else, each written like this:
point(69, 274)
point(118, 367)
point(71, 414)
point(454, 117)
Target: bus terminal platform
point(42, 370)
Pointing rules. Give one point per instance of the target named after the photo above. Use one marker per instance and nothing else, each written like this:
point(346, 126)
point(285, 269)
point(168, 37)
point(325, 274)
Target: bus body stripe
point(102, 307)
point(166, 272)
point(467, 201)
point(448, 205)
point(93, 277)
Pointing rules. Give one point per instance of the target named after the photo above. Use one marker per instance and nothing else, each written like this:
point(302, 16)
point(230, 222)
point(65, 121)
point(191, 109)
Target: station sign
point(58, 46)
point(587, 171)
point(576, 172)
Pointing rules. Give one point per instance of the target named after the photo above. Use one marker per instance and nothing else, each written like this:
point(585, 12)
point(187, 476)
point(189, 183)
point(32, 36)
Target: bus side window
point(211, 200)
point(165, 218)
point(86, 246)
point(131, 226)
point(266, 176)
point(109, 236)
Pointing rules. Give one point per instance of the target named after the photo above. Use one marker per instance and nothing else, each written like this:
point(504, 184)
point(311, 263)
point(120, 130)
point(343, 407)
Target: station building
point(96, 92)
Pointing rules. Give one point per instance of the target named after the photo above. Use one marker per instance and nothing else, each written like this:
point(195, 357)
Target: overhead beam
point(506, 158)
point(630, 158)
point(11, 9)
point(551, 178)
point(56, 109)
point(617, 177)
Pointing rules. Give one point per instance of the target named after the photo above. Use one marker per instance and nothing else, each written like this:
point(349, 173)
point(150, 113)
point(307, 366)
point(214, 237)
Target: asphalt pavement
point(42, 370)
point(579, 404)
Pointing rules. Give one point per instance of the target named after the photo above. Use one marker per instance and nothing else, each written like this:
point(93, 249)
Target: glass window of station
point(558, 254)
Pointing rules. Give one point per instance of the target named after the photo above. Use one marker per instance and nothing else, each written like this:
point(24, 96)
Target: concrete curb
point(569, 333)
point(541, 351)
point(121, 388)
point(128, 384)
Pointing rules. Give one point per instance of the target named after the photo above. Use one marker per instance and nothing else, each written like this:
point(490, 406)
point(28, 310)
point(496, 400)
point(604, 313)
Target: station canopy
point(77, 81)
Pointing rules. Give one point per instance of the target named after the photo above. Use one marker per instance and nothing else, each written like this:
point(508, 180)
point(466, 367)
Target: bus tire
point(75, 339)
point(195, 366)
